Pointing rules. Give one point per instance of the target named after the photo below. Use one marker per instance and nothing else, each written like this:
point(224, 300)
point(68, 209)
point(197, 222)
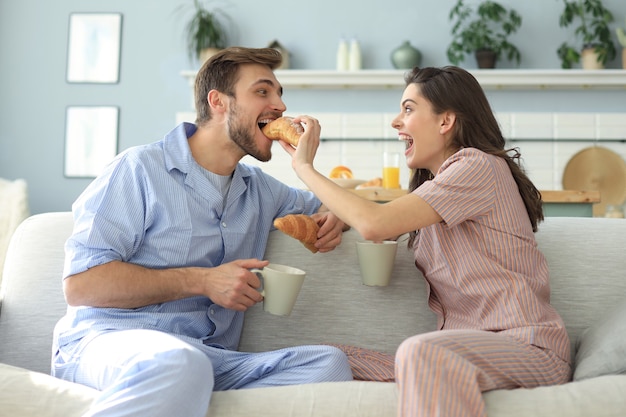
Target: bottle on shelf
point(355, 63)
point(342, 55)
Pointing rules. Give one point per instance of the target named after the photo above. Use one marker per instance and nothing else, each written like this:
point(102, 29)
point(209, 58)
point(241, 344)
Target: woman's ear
point(447, 122)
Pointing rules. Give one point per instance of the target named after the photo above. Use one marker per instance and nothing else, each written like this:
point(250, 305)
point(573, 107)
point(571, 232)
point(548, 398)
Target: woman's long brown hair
point(454, 89)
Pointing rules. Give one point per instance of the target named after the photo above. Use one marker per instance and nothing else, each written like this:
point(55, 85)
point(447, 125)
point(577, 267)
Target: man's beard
point(240, 134)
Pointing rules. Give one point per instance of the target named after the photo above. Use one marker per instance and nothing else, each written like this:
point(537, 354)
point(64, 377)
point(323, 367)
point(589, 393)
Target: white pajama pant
point(151, 373)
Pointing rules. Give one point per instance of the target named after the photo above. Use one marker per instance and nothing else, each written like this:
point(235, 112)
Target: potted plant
point(593, 30)
point(483, 31)
point(206, 31)
point(621, 37)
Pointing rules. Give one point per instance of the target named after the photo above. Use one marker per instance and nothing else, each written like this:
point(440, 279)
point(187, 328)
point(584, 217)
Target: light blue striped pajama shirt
point(155, 206)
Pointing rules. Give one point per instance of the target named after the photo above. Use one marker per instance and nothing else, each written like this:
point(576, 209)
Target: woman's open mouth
point(408, 140)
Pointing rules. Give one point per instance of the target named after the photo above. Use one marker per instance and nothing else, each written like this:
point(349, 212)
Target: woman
point(471, 212)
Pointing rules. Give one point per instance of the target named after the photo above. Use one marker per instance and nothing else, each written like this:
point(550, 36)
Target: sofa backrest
point(585, 255)
point(587, 276)
point(587, 261)
point(32, 295)
point(335, 307)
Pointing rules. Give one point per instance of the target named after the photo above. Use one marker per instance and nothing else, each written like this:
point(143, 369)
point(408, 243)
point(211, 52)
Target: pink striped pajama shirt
point(489, 286)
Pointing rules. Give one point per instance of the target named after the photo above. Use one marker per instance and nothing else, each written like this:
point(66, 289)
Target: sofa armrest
point(28, 393)
point(32, 292)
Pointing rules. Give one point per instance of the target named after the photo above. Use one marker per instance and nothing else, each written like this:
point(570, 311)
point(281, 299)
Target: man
point(157, 272)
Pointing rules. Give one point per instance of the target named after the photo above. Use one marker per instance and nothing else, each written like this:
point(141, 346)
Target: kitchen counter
point(557, 203)
point(570, 196)
point(569, 203)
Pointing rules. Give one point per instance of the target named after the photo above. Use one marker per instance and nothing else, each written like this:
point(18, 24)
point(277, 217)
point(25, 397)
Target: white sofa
point(13, 210)
point(587, 259)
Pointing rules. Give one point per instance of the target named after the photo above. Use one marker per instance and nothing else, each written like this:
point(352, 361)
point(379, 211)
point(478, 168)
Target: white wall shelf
point(495, 79)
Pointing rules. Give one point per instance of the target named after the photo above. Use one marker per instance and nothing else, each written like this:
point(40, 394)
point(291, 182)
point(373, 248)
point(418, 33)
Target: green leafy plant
point(206, 29)
point(488, 27)
point(621, 36)
point(593, 30)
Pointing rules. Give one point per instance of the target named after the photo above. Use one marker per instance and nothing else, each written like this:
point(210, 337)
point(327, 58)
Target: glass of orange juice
point(391, 170)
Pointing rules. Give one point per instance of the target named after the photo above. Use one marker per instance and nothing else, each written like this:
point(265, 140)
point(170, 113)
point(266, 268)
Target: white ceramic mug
point(376, 261)
point(281, 286)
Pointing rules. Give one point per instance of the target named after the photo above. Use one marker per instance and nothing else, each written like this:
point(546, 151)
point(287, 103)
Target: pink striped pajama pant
point(443, 373)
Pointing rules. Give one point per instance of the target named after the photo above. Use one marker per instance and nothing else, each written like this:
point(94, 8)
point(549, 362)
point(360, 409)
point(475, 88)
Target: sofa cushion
point(28, 393)
point(597, 397)
point(602, 347)
point(328, 399)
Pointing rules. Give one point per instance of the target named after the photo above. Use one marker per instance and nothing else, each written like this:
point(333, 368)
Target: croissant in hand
point(284, 129)
point(301, 227)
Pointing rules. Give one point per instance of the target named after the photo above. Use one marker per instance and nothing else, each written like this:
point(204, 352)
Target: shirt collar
point(178, 155)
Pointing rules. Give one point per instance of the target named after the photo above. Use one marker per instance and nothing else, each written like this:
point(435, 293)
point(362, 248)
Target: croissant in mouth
point(284, 129)
point(300, 227)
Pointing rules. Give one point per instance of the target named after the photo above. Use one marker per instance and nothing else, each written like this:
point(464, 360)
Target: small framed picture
point(93, 54)
point(90, 139)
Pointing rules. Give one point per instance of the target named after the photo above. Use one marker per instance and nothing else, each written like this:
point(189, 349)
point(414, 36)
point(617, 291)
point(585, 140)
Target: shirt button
point(223, 224)
point(212, 311)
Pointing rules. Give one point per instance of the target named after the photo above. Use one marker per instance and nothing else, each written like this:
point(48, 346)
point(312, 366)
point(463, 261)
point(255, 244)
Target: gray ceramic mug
point(376, 260)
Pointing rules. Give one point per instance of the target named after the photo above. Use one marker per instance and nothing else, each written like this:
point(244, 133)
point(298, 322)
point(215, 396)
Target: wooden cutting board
point(601, 169)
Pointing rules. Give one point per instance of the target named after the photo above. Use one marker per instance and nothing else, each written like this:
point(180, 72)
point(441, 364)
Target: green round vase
point(405, 56)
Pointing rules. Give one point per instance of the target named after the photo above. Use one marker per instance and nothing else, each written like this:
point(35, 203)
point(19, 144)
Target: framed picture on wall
point(93, 53)
point(90, 139)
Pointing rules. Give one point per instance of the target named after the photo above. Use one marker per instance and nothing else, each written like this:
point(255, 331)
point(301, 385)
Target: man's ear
point(216, 100)
point(447, 122)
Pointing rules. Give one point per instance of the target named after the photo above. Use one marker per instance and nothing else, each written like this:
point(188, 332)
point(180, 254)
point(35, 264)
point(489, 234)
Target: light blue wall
point(33, 55)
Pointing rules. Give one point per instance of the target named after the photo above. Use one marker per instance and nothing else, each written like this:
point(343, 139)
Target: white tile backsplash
point(332, 124)
point(505, 122)
point(363, 125)
point(532, 125)
point(611, 125)
point(547, 141)
point(574, 126)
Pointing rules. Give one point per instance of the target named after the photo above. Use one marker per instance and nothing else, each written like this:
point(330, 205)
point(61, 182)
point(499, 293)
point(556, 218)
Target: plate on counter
point(347, 182)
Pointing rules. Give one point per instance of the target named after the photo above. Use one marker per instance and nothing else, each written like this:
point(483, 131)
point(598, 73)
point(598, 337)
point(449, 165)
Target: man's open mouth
point(263, 122)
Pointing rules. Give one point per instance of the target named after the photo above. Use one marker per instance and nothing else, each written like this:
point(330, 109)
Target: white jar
point(343, 56)
point(355, 55)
